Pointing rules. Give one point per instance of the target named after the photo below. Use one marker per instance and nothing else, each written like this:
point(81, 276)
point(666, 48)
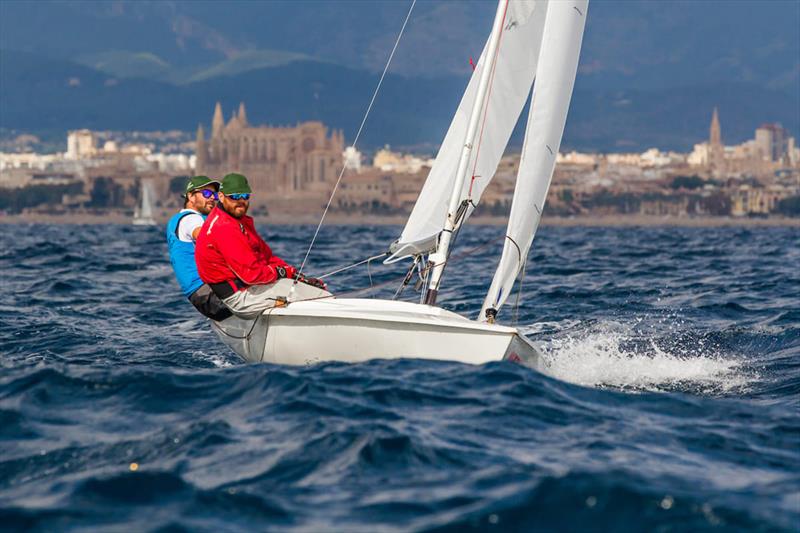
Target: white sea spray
point(630, 357)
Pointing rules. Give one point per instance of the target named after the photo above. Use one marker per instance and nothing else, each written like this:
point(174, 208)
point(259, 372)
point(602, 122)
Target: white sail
point(143, 213)
point(147, 203)
point(555, 78)
point(518, 52)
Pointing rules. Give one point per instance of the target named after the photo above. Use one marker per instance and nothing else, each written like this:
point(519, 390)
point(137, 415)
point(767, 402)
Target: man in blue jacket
point(200, 197)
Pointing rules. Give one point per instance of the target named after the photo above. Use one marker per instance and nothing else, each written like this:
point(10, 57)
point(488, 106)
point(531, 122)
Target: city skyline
point(758, 177)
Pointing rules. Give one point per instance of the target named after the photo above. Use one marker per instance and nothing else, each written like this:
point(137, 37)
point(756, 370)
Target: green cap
point(198, 182)
point(234, 184)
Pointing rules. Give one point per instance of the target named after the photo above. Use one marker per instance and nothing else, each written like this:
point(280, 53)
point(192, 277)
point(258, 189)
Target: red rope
point(488, 96)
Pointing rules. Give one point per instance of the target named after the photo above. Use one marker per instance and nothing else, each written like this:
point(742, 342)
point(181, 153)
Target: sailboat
point(143, 213)
point(531, 41)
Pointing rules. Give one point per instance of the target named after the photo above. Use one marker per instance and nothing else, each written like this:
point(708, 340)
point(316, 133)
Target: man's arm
point(273, 259)
point(189, 227)
point(247, 266)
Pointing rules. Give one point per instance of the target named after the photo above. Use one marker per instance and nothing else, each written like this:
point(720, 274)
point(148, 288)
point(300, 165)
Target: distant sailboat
point(531, 40)
point(143, 213)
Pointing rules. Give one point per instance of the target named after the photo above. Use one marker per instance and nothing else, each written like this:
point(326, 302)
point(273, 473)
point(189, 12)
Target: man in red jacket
point(236, 262)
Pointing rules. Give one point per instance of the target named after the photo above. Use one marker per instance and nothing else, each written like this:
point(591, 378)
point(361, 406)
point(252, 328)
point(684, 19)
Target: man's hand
point(314, 282)
point(287, 271)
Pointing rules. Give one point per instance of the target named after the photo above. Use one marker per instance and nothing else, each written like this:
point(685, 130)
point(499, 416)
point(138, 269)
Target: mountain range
point(650, 72)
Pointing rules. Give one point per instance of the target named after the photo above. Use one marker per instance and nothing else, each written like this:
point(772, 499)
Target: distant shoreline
point(350, 220)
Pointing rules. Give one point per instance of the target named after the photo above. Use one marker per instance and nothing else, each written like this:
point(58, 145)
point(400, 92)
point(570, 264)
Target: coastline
point(398, 220)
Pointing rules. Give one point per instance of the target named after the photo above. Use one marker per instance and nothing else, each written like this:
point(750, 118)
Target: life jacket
point(181, 254)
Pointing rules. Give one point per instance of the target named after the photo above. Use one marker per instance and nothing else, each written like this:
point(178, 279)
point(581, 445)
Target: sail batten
point(515, 66)
point(552, 92)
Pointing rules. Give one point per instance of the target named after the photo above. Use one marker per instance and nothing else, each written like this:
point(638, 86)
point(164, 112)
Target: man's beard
point(233, 212)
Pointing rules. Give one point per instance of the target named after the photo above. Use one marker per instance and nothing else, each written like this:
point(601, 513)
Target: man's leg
point(209, 304)
point(257, 298)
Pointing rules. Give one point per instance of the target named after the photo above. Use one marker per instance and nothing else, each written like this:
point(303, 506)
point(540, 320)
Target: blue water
point(671, 400)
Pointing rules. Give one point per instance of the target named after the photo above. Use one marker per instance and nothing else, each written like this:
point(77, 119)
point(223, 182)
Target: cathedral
point(278, 161)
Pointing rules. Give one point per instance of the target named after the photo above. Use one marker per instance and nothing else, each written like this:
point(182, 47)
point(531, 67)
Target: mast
point(438, 258)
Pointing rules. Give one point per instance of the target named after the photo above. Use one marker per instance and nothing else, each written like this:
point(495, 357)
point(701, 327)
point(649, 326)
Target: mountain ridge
point(41, 94)
point(627, 45)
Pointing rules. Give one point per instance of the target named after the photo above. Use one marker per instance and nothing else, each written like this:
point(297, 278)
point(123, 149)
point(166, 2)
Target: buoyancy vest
point(181, 254)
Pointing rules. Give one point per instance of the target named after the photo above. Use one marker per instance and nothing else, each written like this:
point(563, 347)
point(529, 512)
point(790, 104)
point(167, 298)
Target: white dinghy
point(531, 40)
point(354, 330)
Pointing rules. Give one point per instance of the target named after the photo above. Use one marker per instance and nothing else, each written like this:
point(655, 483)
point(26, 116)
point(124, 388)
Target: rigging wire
point(348, 267)
point(358, 134)
point(423, 272)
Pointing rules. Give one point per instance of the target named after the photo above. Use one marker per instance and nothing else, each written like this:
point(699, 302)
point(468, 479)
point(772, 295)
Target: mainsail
point(555, 78)
point(517, 56)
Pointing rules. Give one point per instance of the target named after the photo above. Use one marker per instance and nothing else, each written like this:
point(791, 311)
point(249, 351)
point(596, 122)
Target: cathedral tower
point(218, 123)
point(202, 152)
point(242, 115)
point(715, 137)
point(716, 150)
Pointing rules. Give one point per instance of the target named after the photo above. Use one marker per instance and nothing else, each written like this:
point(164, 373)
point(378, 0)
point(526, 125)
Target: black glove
point(314, 282)
point(280, 272)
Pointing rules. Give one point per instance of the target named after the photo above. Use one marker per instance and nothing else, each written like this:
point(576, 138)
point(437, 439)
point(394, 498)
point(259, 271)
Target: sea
point(669, 399)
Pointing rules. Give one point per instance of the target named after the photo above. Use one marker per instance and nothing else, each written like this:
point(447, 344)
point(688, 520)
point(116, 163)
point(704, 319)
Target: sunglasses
point(239, 196)
point(207, 194)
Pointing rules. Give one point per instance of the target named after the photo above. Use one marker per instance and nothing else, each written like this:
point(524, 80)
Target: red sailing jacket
point(228, 248)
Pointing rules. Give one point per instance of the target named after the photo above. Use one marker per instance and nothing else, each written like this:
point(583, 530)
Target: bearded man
point(238, 265)
point(199, 198)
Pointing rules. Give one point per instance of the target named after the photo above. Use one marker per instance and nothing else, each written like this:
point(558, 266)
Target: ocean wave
point(669, 398)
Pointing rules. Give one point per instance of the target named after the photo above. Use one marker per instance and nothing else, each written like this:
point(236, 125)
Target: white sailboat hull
point(358, 330)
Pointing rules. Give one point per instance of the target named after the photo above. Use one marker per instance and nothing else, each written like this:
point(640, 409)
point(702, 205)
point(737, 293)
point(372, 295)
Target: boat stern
point(522, 351)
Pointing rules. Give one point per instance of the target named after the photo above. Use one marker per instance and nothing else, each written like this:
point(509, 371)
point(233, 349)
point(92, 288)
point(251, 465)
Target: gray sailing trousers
point(254, 300)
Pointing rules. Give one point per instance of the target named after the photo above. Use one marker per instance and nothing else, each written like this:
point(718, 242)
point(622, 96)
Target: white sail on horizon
point(552, 92)
point(143, 213)
point(517, 58)
point(147, 203)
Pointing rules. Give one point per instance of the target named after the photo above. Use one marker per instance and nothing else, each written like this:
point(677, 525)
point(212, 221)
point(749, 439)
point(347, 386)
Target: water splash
point(611, 354)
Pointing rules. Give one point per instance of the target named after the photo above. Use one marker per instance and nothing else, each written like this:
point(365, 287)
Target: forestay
point(555, 78)
point(515, 67)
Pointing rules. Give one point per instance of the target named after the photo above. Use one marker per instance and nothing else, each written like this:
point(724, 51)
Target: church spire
point(200, 149)
point(242, 114)
point(716, 149)
point(218, 123)
point(715, 137)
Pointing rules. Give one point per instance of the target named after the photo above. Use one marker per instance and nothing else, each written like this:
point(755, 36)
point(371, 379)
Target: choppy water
point(671, 401)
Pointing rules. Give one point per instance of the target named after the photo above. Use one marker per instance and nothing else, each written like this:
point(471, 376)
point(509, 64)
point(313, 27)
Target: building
point(389, 161)
point(352, 159)
point(80, 144)
point(772, 142)
point(716, 150)
point(278, 161)
point(369, 191)
point(749, 200)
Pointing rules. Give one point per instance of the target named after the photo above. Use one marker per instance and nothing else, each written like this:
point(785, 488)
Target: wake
point(612, 354)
